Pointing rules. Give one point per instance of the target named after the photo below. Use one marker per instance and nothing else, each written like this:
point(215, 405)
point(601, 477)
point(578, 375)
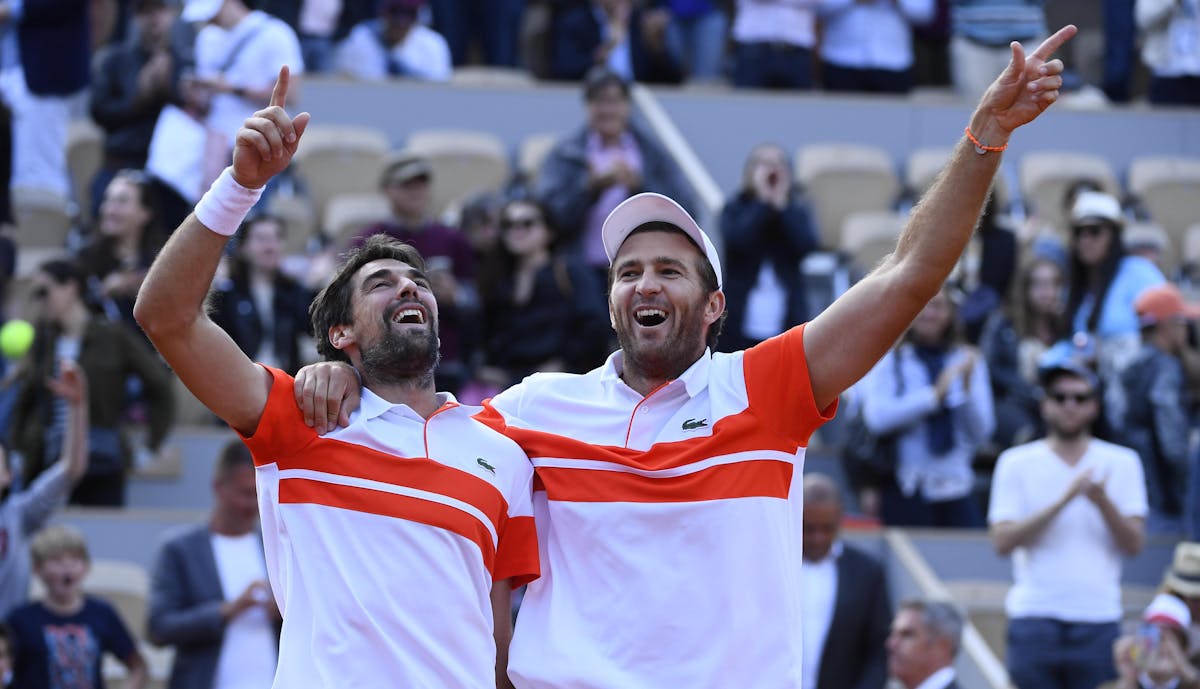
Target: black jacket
point(854, 656)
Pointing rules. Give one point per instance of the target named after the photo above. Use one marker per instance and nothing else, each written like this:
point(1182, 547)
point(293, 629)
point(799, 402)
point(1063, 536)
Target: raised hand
point(71, 383)
point(267, 140)
point(1028, 86)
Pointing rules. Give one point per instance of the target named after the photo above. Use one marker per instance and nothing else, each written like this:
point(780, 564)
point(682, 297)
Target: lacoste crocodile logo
point(483, 463)
point(693, 424)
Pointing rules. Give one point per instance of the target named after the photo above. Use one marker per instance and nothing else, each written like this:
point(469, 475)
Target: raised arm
point(170, 304)
point(843, 342)
point(71, 386)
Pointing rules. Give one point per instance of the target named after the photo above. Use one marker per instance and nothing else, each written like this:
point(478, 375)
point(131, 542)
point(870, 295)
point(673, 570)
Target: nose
point(406, 288)
point(648, 283)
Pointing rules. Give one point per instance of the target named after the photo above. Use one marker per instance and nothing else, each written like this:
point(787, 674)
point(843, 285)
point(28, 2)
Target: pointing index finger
point(279, 93)
point(1052, 44)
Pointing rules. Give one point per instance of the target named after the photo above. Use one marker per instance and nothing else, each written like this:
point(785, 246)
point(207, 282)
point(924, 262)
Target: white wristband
point(225, 205)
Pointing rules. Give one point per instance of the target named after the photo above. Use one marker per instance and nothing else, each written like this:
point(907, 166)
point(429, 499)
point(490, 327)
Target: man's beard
point(401, 358)
point(667, 359)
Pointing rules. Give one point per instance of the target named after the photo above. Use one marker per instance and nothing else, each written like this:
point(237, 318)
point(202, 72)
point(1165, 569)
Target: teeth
point(405, 313)
point(647, 313)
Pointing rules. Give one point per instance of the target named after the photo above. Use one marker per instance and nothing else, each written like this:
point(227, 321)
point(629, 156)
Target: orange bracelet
point(980, 148)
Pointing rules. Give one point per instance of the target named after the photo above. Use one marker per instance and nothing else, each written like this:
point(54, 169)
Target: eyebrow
point(656, 261)
point(412, 273)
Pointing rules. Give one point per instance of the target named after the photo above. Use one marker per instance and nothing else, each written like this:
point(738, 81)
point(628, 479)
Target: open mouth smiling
point(650, 317)
point(409, 315)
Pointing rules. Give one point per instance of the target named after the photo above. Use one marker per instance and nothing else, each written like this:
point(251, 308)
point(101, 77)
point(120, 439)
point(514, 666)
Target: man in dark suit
point(923, 644)
point(846, 600)
point(209, 594)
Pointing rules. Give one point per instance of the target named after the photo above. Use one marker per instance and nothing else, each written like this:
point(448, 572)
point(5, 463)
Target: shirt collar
point(694, 379)
point(938, 680)
point(374, 406)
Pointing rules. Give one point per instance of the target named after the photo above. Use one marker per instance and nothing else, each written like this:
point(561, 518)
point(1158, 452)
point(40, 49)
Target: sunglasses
point(40, 292)
point(519, 223)
point(1076, 397)
point(1089, 230)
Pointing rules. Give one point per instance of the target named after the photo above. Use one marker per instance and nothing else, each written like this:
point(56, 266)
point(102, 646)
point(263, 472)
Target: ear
point(341, 336)
point(612, 319)
point(715, 307)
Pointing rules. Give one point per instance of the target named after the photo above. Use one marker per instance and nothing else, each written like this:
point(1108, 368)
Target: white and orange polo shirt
point(669, 525)
point(383, 540)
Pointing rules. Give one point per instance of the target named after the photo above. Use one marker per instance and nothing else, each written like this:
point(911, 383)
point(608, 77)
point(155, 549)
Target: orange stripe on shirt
point(767, 478)
point(517, 557)
point(310, 492)
point(347, 459)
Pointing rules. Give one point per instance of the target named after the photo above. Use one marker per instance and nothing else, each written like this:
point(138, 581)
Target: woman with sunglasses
point(1103, 283)
point(542, 310)
point(127, 236)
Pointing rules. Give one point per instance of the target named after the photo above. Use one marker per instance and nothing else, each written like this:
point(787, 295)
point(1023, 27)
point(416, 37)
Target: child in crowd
point(60, 641)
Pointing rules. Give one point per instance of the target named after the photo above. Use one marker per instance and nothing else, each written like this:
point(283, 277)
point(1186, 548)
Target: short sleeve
point(779, 388)
point(517, 551)
point(281, 429)
point(1126, 484)
point(1004, 504)
point(114, 636)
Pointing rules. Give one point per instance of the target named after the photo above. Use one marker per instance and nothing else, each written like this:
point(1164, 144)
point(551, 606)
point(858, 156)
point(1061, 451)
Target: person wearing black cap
point(1067, 508)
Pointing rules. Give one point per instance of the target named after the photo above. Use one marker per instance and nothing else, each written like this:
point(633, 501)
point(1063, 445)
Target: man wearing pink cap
point(1156, 391)
point(668, 488)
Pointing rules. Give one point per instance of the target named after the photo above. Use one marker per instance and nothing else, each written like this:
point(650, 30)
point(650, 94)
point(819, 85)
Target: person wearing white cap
point(669, 480)
point(1155, 658)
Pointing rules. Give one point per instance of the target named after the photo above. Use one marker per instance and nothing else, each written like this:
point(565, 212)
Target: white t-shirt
point(423, 54)
point(1072, 572)
point(263, 44)
point(819, 589)
point(766, 305)
point(249, 650)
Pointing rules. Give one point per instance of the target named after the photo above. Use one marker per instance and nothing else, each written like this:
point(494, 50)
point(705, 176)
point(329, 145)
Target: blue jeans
point(1045, 653)
point(772, 66)
point(698, 43)
point(1120, 39)
point(496, 23)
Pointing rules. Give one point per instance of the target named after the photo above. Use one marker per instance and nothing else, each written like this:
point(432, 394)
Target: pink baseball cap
point(1168, 610)
point(647, 207)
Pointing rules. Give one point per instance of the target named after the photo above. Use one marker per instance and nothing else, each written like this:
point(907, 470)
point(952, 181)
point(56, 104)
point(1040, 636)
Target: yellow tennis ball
point(15, 338)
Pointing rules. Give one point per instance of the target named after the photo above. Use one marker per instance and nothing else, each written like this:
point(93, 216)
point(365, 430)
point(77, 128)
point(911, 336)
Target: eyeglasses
point(1076, 397)
point(519, 223)
point(1089, 230)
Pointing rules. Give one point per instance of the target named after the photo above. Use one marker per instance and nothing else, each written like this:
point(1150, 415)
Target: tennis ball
point(15, 338)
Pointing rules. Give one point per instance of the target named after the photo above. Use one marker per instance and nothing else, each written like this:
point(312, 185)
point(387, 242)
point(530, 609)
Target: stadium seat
point(1169, 190)
point(464, 163)
point(339, 160)
point(840, 179)
point(480, 75)
point(532, 153)
point(1045, 175)
point(922, 169)
point(85, 155)
point(43, 220)
point(868, 236)
point(301, 220)
point(347, 214)
point(1145, 234)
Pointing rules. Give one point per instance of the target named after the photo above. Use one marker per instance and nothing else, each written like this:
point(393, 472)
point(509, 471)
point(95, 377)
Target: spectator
point(846, 600)
point(608, 160)
point(129, 233)
point(1170, 31)
point(492, 25)
point(620, 35)
point(1158, 404)
point(1012, 342)
point(933, 393)
point(50, 69)
point(773, 43)
point(544, 311)
point(1157, 656)
point(981, 31)
point(931, 48)
point(696, 36)
point(395, 44)
point(407, 181)
point(987, 269)
point(1182, 580)
point(1120, 47)
point(1103, 283)
point(22, 513)
point(264, 310)
point(131, 83)
point(209, 596)
point(1067, 507)
point(866, 45)
point(60, 640)
point(767, 233)
point(108, 353)
point(923, 643)
point(316, 23)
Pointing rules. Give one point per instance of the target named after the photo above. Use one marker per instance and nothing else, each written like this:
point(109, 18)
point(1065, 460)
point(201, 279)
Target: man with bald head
point(848, 610)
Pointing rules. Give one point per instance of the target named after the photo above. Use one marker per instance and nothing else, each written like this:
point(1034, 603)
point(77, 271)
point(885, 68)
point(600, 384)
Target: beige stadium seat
point(85, 155)
point(532, 153)
point(301, 220)
point(1191, 245)
point(1045, 175)
point(43, 220)
point(335, 159)
point(923, 166)
point(464, 163)
point(347, 214)
point(480, 75)
point(840, 179)
point(1169, 189)
point(868, 236)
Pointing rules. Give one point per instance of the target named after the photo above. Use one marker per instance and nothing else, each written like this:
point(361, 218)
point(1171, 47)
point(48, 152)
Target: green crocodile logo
point(483, 463)
point(693, 424)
